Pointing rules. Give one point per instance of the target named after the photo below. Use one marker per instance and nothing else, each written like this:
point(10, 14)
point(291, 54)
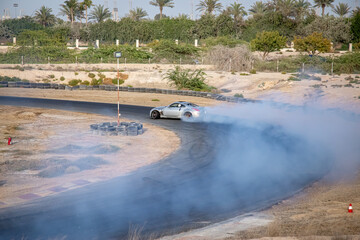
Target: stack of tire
point(112, 129)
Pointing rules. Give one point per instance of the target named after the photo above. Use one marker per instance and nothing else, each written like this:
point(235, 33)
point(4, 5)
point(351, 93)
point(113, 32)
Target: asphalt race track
point(180, 192)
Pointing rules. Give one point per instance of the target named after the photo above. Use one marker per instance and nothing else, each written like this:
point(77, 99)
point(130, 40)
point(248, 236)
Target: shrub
point(52, 76)
point(313, 44)
point(155, 100)
point(74, 82)
point(244, 74)
point(253, 71)
point(267, 42)
point(187, 79)
point(91, 75)
point(76, 73)
point(46, 80)
point(283, 72)
point(62, 78)
point(87, 83)
point(239, 95)
point(226, 41)
point(100, 75)
point(95, 82)
point(292, 78)
point(114, 81)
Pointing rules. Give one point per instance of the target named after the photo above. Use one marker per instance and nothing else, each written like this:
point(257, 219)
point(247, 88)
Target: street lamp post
point(117, 55)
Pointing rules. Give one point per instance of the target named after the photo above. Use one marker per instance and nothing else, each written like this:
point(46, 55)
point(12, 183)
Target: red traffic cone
point(350, 208)
point(9, 141)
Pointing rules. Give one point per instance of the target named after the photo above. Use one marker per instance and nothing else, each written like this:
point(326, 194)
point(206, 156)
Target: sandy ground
point(328, 91)
point(48, 141)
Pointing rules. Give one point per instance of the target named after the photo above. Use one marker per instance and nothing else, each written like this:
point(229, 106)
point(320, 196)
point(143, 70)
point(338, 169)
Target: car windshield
point(192, 105)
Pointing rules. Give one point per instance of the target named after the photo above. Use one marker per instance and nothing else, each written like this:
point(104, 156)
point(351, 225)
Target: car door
point(172, 111)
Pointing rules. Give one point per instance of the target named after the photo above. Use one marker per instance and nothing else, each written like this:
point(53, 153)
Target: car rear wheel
point(155, 115)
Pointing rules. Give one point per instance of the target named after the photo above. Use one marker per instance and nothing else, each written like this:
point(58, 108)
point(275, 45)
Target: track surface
point(174, 194)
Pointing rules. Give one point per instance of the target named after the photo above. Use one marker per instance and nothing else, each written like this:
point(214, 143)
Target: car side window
point(182, 105)
point(174, 105)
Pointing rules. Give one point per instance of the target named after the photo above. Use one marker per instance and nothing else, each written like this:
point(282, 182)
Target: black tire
point(187, 114)
point(155, 115)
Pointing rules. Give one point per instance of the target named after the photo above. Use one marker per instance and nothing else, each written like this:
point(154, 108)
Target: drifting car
point(179, 110)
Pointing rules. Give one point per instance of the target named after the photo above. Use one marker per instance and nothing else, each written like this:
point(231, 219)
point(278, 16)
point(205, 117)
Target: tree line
point(288, 17)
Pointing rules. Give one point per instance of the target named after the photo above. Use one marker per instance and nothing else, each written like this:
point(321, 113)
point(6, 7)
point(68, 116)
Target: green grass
point(239, 95)
point(155, 100)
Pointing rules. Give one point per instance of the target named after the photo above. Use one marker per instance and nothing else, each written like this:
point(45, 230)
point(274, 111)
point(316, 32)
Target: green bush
point(292, 78)
point(168, 49)
point(187, 79)
point(62, 78)
point(91, 75)
point(239, 95)
point(114, 81)
point(51, 76)
point(95, 82)
point(223, 40)
point(253, 71)
point(74, 82)
point(87, 83)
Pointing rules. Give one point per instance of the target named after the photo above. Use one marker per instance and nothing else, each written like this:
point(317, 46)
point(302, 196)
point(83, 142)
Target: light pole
point(117, 55)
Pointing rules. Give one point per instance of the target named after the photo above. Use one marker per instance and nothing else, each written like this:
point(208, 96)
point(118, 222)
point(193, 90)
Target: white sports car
point(180, 110)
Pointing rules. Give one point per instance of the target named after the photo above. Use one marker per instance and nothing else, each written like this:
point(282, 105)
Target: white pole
point(137, 43)
point(49, 60)
point(303, 67)
point(196, 43)
point(117, 42)
point(118, 76)
point(22, 60)
point(277, 65)
point(77, 43)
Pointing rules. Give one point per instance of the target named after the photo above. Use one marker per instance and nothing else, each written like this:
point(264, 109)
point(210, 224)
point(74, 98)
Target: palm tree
point(137, 14)
point(69, 9)
point(87, 4)
point(99, 13)
point(44, 16)
point(341, 9)
point(323, 4)
point(80, 12)
point(161, 4)
point(287, 8)
point(237, 11)
point(209, 6)
point(302, 7)
point(258, 8)
point(355, 11)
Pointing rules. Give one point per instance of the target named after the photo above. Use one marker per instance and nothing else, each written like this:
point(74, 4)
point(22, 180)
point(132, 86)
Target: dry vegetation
point(237, 59)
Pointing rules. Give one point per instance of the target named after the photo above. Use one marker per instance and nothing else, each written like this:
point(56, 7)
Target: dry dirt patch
point(320, 210)
point(130, 98)
point(54, 147)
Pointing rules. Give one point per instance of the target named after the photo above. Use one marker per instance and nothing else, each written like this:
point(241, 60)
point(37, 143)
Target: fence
point(214, 96)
